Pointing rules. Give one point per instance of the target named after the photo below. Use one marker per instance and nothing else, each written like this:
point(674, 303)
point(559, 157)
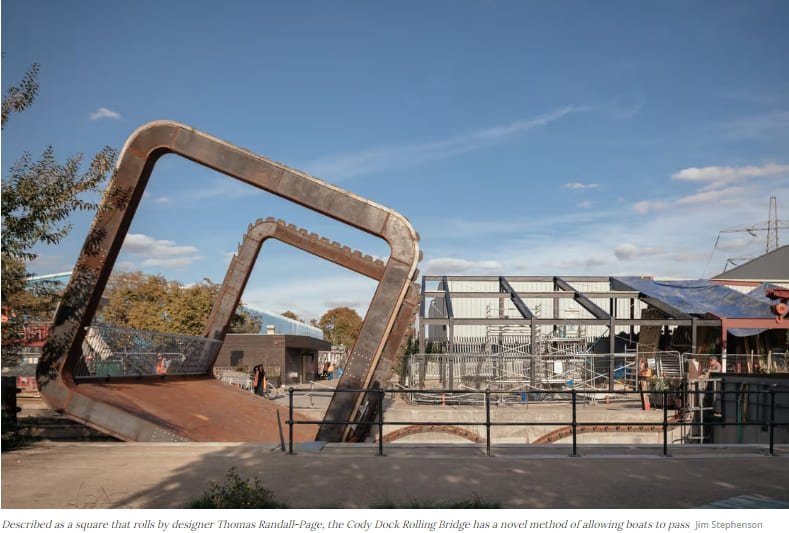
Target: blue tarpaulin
point(699, 297)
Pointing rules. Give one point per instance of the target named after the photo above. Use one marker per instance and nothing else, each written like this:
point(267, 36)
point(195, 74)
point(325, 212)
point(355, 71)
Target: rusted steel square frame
point(241, 266)
point(116, 212)
point(237, 276)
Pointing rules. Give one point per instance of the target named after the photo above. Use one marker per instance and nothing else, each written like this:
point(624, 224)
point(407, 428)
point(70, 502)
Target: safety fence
point(546, 377)
point(768, 400)
point(514, 378)
point(109, 351)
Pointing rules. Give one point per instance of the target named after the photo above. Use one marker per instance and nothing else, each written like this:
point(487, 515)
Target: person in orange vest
point(259, 382)
point(161, 364)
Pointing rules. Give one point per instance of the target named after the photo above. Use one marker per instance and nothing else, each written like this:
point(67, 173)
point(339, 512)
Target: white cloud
point(139, 244)
point(374, 159)
point(159, 253)
point(174, 262)
point(574, 264)
point(451, 265)
point(103, 112)
point(125, 265)
point(581, 186)
point(162, 200)
point(714, 197)
point(645, 207)
point(717, 176)
point(734, 244)
point(585, 204)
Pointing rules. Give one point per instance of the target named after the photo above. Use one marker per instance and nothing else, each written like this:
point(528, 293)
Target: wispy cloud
point(716, 176)
point(306, 299)
point(103, 112)
point(627, 111)
point(717, 197)
point(646, 206)
point(173, 262)
point(734, 244)
point(223, 187)
point(627, 251)
point(765, 125)
point(721, 185)
point(585, 205)
point(581, 186)
point(580, 263)
point(367, 161)
point(452, 265)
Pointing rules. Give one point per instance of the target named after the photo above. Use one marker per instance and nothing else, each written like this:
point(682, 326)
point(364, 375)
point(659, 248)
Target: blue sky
point(519, 138)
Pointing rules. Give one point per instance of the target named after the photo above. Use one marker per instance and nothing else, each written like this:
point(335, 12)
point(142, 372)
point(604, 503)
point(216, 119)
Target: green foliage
point(245, 321)
point(657, 383)
point(291, 315)
point(237, 493)
point(341, 326)
point(151, 302)
point(19, 97)
point(38, 198)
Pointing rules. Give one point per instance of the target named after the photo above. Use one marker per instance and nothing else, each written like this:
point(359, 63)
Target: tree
point(291, 315)
point(341, 326)
point(39, 196)
point(152, 303)
point(246, 321)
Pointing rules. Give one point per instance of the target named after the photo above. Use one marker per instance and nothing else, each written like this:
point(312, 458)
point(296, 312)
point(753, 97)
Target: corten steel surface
point(241, 266)
point(125, 417)
point(198, 409)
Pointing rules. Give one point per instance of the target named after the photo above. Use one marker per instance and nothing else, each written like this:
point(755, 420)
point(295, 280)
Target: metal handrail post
point(723, 401)
point(772, 420)
point(487, 420)
point(575, 425)
point(290, 419)
point(665, 423)
point(380, 422)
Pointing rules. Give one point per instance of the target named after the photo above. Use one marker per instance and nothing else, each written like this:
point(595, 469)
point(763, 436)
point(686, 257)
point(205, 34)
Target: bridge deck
point(198, 409)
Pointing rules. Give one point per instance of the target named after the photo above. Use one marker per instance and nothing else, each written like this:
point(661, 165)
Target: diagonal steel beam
point(585, 302)
point(448, 299)
point(505, 286)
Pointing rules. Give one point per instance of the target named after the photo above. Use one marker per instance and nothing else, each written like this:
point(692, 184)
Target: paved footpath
point(140, 475)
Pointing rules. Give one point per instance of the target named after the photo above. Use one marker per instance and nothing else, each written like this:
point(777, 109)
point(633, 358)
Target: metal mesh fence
point(112, 351)
point(519, 378)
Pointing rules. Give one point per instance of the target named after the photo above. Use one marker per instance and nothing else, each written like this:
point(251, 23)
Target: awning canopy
point(702, 297)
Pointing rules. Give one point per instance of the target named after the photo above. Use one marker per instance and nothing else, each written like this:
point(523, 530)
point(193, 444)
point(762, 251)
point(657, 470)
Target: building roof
point(772, 266)
point(700, 297)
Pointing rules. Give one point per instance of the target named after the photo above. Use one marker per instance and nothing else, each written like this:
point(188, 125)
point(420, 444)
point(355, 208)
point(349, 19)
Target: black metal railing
point(684, 416)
